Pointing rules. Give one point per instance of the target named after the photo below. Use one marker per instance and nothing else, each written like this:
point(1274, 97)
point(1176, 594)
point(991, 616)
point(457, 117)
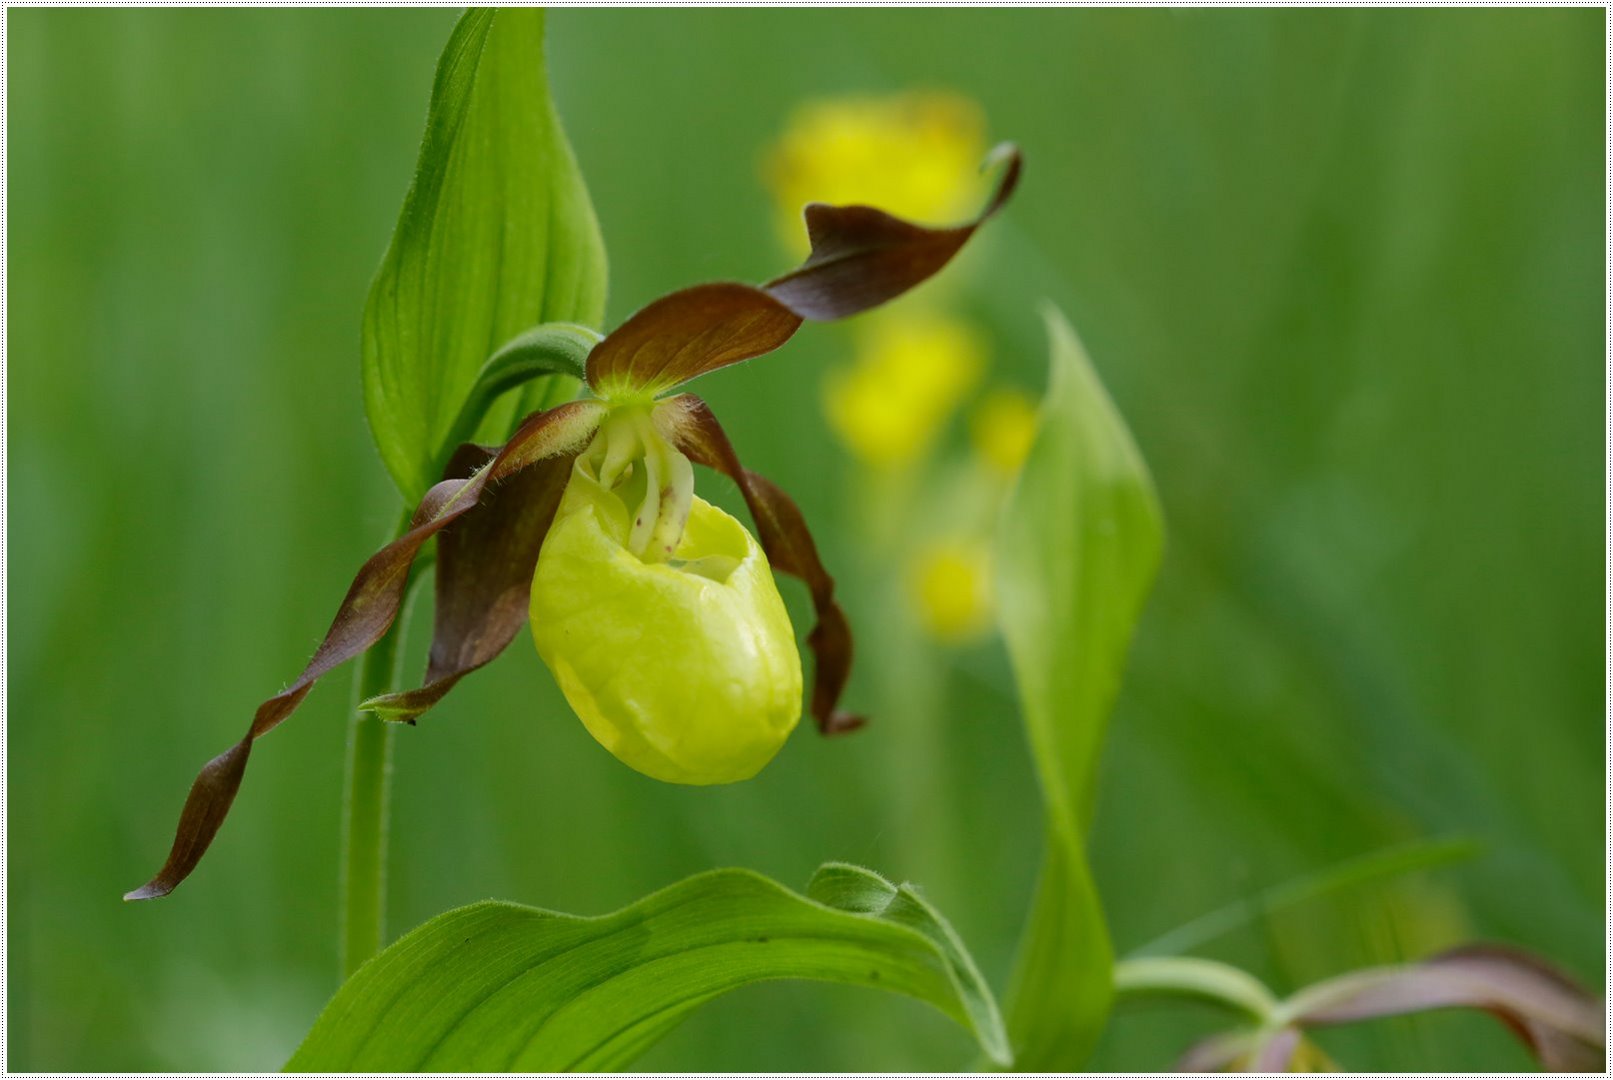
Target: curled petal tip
point(1003, 151)
point(842, 723)
point(149, 891)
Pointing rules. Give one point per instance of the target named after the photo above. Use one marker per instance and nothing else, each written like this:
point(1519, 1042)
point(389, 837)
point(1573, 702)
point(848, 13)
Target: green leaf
point(496, 235)
point(1079, 544)
point(498, 987)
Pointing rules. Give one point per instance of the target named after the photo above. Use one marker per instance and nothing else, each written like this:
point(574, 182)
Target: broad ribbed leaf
point(502, 987)
point(1079, 543)
point(496, 235)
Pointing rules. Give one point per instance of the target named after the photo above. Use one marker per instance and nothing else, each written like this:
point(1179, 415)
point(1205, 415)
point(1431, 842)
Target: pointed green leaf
point(501, 987)
point(1079, 544)
point(496, 235)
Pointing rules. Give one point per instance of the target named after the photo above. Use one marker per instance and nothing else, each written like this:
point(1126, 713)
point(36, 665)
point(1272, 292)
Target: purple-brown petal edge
point(784, 537)
point(1557, 1018)
point(1274, 1052)
point(1220, 1052)
point(861, 257)
point(366, 612)
point(688, 333)
point(485, 563)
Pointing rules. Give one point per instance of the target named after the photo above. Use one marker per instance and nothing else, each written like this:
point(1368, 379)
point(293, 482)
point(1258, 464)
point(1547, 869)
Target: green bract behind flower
point(687, 669)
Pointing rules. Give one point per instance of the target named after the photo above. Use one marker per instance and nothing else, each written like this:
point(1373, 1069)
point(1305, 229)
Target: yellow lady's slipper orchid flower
point(656, 612)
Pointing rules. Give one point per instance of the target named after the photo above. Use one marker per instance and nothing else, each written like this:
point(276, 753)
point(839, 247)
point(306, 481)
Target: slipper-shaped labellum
point(656, 612)
point(658, 615)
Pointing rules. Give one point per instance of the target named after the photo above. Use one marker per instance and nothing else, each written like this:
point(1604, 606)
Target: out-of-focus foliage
point(911, 368)
point(1078, 550)
point(1341, 272)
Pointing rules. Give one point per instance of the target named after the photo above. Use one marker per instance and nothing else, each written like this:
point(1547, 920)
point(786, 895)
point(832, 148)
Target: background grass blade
point(1374, 866)
point(497, 986)
point(497, 234)
point(1079, 546)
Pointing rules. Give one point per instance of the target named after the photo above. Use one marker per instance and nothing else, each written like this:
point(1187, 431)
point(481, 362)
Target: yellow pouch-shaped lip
point(685, 670)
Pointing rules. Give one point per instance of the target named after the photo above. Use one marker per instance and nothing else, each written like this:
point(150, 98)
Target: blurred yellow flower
point(911, 370)
point(949, 583)
point(1002, 428)
point(916, 155)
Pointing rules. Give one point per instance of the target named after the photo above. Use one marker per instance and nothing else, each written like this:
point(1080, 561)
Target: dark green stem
point(365, 800)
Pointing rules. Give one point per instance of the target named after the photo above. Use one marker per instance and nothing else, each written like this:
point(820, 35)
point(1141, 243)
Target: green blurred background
point(1342, 271)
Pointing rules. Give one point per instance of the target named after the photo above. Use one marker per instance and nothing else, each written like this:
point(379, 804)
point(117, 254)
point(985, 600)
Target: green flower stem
point(1197, 979)
point(365, 798)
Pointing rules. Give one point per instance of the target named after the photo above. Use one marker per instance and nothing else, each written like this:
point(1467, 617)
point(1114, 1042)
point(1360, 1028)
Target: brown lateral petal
point(485, 563)
point(1562, 1023)
point(209, 800)
point(366, 612)
point(861, 257)
point(689, 333)
point(783, 535)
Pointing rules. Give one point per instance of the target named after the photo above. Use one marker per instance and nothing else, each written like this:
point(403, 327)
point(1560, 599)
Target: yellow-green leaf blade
point(496, 235)
point(1079, 544)
point(496, 986)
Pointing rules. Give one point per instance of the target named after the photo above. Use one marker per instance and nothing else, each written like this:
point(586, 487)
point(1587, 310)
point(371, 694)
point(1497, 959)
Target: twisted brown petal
point(485, 563)
point(861, 257)
point(372, 602)
point(789, 547)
